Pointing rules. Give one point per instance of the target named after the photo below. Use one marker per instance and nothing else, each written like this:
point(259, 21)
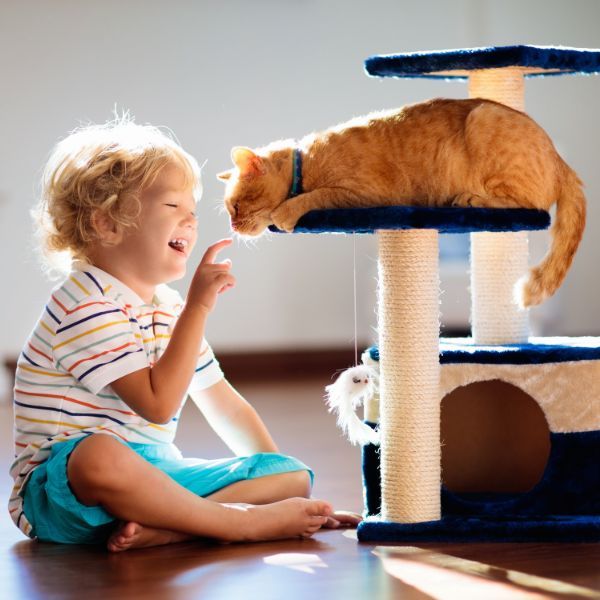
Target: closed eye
point(193, 213)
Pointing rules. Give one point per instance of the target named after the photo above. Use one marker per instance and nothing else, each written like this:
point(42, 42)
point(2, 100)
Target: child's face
point(162, 243)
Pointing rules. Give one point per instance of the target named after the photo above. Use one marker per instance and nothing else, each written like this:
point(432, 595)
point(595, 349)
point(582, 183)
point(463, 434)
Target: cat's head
point(256, 186)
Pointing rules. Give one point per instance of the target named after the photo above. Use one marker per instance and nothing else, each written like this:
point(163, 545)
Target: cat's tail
point(566, 232)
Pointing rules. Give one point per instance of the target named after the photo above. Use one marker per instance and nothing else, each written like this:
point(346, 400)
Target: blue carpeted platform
point(549, 60)
point(480, 529)
point(445, 219)
point(539, 350)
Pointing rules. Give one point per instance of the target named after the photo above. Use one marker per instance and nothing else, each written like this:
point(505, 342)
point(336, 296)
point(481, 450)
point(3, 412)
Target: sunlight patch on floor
point(446, 577)
point(297, 561)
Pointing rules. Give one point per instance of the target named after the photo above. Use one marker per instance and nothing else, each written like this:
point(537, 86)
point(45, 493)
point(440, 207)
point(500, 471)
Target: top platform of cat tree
point(444, 219)
point(533, 61)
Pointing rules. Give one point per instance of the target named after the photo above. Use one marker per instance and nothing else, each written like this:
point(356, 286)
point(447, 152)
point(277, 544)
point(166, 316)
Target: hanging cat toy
point(354, 387)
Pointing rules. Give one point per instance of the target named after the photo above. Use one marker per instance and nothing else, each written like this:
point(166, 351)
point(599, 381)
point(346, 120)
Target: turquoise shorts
point(57, 516)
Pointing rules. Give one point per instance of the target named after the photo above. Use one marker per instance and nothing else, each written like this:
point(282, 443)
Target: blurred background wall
point(239, 72)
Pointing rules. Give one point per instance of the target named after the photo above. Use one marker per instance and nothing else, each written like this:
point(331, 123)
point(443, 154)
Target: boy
point(102, 379)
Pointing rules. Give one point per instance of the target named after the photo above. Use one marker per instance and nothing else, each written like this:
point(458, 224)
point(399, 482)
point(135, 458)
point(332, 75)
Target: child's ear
point(249, 164)
point(105, 228)
point(224, 176)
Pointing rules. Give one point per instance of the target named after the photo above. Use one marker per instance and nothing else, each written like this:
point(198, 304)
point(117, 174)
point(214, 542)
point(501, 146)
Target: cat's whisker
point(247, 240)
point(268, 235)
point(219, 206)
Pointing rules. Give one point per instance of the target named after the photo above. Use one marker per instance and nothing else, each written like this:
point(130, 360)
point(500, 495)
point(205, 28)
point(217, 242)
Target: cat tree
point(404, 497)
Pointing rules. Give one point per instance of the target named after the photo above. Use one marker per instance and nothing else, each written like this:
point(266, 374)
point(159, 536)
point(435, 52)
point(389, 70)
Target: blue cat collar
point(296, 188)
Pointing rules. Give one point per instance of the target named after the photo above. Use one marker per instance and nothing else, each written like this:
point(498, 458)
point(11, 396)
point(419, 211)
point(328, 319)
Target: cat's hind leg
point(516, 190)
point(467, 199)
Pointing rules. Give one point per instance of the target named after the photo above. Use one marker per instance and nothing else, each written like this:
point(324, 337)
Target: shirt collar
point(113, 287)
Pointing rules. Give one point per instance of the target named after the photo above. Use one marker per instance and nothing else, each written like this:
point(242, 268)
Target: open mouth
point(179, 245)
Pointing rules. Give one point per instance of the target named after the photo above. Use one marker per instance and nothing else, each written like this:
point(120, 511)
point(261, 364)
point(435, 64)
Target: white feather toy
point(353, 387)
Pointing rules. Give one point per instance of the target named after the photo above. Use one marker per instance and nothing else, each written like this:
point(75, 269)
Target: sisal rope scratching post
point(409, 375)
point(498, 260)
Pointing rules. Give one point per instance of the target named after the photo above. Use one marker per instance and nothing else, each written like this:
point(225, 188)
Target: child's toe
point(320, 507)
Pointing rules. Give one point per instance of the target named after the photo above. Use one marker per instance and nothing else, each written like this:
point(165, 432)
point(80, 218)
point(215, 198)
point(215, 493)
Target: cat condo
point(495, 437)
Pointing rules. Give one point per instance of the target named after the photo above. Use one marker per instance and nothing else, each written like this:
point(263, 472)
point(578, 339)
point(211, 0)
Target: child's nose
point(191, 221)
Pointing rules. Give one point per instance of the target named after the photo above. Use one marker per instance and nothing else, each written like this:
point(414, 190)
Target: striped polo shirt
point(93, 330)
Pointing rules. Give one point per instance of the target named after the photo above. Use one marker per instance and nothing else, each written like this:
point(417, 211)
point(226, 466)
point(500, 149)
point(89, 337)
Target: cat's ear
point(247, 162)
point(224, 175)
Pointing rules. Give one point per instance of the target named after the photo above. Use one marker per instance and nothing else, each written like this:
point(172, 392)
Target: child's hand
point(210, 278)
point(342, 518)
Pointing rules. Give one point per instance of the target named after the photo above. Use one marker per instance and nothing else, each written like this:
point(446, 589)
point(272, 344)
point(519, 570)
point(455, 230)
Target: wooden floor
point(331, 565)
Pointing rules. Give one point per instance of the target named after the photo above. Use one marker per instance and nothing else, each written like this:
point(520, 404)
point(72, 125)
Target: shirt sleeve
point(98, 342)
point(208, 372)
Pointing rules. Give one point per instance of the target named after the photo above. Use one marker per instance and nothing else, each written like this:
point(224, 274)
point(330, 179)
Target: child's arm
point(234, 420)
point(156, 393)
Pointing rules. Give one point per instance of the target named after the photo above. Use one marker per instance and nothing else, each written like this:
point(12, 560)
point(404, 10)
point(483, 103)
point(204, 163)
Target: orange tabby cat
point(437, 153)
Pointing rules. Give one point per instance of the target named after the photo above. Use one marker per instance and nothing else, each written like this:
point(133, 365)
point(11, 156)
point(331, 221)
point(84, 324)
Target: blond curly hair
point(101, 169)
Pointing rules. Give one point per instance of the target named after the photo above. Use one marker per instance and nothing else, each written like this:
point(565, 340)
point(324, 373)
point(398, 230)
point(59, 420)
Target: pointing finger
point(214, 249)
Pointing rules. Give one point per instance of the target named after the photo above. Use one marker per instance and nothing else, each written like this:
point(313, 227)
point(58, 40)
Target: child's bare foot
point(133, 535)
point(294, 517)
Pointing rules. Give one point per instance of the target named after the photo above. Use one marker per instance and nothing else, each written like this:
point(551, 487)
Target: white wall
point(237, 72)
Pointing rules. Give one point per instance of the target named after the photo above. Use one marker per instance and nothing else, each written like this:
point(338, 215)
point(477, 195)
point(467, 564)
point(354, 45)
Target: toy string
point(355, 319)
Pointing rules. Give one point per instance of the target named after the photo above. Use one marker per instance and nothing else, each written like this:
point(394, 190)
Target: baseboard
point(286, 364)
point(268, 366)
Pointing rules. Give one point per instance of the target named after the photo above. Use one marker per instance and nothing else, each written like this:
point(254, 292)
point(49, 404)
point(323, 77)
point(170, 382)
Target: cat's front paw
point(284, 218)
